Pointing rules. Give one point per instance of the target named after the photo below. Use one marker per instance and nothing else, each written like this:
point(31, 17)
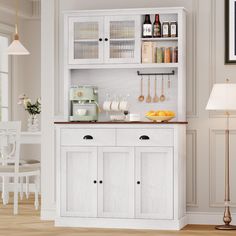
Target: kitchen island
point(121, 175)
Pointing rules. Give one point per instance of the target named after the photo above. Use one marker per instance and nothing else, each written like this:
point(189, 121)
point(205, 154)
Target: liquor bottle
point(157, 27)
point(147, 27)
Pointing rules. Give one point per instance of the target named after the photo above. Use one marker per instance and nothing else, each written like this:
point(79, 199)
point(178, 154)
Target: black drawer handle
point(106, 39)
point(95, 181)
point(144, 137)
point(88, 137)
point(100, 182)
point(100, 39)
point(138, 182)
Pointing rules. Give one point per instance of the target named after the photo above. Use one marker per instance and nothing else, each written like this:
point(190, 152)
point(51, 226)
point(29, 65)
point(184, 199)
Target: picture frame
point(230, 32)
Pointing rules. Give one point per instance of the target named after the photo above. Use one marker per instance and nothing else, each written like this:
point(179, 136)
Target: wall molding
point(212, 56)
point(34, 15)
point(207, 218)
point(192, 134)
point(47, 94)
point(195, 27)
point(212, 194)
point(8, 29)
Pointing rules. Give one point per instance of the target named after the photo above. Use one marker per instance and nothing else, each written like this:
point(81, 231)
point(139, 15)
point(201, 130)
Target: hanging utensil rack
point(151, 74)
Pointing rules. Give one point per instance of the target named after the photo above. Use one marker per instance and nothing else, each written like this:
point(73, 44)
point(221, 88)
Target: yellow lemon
point(161, 113)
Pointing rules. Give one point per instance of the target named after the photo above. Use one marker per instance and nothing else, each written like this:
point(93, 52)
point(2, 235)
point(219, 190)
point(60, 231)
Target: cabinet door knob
point(95, 181)
point(88, 137)
point(100, 39)
point(106, 39)
point(144, 137)
point(138, 182)
point(100, 182)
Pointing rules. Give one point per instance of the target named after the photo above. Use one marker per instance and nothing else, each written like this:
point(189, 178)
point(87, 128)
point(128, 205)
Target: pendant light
point(16, 47)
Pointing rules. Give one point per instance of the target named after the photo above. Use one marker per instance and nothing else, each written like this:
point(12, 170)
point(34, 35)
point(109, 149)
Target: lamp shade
point(16, 48)
point(222, 98)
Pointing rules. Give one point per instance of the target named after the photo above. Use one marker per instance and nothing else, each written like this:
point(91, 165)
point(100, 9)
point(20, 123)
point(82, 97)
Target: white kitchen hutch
point(121, 175)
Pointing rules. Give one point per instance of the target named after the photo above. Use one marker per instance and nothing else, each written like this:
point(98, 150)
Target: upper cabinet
point(122, 39)
point(86, 40)
point(115, 38)
point(104, 39)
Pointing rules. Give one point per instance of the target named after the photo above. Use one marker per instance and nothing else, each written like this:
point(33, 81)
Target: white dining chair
point(10, 165)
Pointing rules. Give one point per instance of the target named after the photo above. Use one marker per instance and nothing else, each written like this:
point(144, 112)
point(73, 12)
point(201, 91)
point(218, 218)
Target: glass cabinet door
point(122, 39)
point(85, 40)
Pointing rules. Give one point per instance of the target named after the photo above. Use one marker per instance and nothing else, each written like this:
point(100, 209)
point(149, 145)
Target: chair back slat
point(10, 143)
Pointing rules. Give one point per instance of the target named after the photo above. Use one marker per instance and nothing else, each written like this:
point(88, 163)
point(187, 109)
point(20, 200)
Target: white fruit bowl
point(160, 118)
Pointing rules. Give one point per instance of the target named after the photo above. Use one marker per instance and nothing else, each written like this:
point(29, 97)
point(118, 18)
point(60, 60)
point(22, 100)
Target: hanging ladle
point(149, 98)
point(162, 97)
point(141, 97)
point(155, 98)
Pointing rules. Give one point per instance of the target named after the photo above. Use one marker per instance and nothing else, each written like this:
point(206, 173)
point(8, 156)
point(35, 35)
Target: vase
point(33, 124)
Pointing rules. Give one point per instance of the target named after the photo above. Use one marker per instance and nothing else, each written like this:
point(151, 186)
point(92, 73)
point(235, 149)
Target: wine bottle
point(157, 27)
point(147, 27)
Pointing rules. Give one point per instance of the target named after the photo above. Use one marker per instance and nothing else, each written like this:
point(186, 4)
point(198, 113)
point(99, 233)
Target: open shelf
point(124, 66)
point(122, 39)
point(160, 39)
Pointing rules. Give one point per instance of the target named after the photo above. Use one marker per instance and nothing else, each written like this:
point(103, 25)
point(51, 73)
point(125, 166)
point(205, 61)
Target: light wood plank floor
point(28, 223)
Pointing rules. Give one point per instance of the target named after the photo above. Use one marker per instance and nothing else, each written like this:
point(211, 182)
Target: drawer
point(145, 137)
point(88, 137)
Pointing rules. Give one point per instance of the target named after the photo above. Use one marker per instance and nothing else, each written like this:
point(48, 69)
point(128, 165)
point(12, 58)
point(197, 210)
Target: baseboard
point(193, 218)
point(115, 223)
point(207, 218)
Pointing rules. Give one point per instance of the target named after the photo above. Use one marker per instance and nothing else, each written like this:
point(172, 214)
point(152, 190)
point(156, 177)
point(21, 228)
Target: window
point(4, 78)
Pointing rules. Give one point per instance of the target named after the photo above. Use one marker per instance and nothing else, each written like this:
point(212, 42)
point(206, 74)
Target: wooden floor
point(28, 223)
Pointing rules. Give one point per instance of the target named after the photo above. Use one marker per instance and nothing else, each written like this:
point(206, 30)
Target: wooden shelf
point(122, 40)
point(125, 66)
point(160, 39)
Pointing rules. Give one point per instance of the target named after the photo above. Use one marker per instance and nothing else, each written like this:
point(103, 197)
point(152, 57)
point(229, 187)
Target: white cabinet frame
point(137, 42)
point(71, 36)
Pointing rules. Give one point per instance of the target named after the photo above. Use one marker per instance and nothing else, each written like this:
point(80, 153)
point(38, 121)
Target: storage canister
point(167, 55)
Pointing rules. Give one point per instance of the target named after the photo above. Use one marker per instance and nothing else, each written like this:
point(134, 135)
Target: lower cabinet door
point(79, 181)
point(154, 183)
point(116, 182)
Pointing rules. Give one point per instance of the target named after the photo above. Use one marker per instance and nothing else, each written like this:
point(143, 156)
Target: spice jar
point(159, 55)
point(167, 55)
point(175, 55)
point(166, 29)
point(173, 29)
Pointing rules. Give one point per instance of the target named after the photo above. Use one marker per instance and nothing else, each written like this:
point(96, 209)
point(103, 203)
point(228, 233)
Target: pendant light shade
point(16, 47)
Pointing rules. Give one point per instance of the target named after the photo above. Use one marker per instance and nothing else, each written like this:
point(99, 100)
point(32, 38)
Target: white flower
point(26, 101)
point(21, 98)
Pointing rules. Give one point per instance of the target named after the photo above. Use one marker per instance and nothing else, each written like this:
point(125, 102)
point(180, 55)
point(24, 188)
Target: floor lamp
point(223, 98)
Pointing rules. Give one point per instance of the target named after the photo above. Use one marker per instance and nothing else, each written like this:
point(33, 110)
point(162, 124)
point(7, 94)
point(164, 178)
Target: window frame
point(8, 31)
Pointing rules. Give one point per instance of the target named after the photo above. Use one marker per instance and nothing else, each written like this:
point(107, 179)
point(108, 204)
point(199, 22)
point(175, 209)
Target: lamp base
point(225, 227)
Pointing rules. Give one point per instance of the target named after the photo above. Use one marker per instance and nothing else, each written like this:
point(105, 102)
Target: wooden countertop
point(121, 122)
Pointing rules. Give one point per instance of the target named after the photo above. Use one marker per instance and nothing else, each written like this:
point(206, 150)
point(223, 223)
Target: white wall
point(205, 39)
point(26, 69)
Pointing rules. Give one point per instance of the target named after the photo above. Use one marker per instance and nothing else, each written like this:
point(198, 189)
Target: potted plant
point(33, 109)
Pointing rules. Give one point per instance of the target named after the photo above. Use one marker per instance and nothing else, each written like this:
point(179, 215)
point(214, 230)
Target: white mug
point(107, 106)
point(115, 106)
point(123, 106)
